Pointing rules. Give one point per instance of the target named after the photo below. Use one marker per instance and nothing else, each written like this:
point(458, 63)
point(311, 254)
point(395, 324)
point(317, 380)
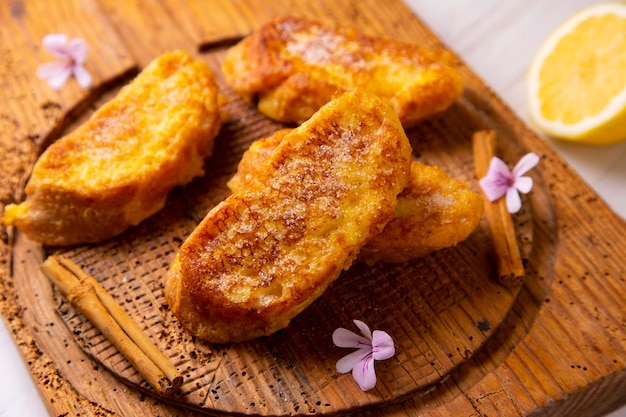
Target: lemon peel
point(573, 74)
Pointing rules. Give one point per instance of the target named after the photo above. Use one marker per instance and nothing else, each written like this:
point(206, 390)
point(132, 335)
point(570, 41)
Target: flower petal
point(497, 180)
point(55, 44)
point(498, 168)
point(348, 362)
point(55, 73)
point(513, 200)
point(348, 339)
point(364, 373)
point(525, 164)
point(77, 48)
point(51, 69)
point(493, 187)
point(365, 330)
point(382, 346)
point(524, 184)
point(83, 77)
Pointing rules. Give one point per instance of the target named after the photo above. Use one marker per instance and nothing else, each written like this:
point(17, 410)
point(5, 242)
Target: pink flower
point(371, 347)
point(71, 56)
point(500, 180)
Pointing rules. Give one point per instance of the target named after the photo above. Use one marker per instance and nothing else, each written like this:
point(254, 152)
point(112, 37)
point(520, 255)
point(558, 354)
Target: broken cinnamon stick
point(87, 296)
point(501, 227)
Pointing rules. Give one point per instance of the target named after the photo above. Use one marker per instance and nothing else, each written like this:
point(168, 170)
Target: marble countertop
point(498, 40)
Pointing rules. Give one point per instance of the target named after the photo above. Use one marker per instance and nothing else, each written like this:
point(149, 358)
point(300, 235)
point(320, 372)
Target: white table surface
point(497, 39)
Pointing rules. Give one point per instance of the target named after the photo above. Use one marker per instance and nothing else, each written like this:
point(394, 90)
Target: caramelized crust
point(270, 249)
point(253, 158)
point(434, 211)
point(293, 66)
point(117, 168)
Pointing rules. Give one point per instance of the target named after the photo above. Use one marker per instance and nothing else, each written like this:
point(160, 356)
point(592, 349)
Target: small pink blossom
point(70, 55)
point(500, 181)
point(370, 347)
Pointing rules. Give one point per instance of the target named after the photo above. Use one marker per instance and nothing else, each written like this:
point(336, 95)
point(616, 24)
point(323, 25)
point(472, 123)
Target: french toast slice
point(434, 211)
point(117, 168)
point(291, 66)
point(269, 250)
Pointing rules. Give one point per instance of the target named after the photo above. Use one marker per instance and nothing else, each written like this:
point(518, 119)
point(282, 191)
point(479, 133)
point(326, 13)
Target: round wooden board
point(440, 310)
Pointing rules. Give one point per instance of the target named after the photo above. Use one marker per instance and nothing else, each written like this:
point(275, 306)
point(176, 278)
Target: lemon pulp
point(578, 78)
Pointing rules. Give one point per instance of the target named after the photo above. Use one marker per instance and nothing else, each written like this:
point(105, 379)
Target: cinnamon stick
point(87, 296)
point(130, 326)
point(501, 227)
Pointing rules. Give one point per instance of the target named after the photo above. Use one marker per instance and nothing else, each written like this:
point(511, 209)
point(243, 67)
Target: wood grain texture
point(559, 351)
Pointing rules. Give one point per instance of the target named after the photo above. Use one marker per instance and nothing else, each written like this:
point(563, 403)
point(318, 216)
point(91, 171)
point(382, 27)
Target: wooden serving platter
point(465, 344)
point(440, 309)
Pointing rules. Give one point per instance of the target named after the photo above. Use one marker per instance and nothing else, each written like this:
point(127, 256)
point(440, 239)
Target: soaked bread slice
point(269, 250)
point(117, 168)
point(253, 158)
point(290, 67)
point(434, 211)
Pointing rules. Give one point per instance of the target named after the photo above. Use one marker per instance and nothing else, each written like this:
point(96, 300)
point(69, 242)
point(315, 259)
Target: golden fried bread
point(291, 67)
point(253, 158)
point(266, 252)
point(116, 169)
point(434, 211)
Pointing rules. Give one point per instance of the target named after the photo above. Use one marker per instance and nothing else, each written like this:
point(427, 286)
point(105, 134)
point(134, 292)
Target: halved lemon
point(577, 80)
